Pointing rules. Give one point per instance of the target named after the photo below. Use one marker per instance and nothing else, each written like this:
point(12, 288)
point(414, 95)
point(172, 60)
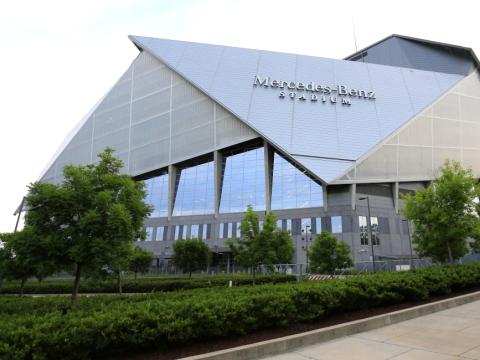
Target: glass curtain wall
point(243, 181)
point(293, 189)
point(195, 191)
point(157, 195)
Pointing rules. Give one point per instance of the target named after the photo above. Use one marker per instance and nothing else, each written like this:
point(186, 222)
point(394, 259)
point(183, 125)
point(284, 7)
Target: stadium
point(321, 142)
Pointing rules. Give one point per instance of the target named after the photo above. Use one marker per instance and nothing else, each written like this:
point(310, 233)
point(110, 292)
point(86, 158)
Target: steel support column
point(218, 169)
point(268, 161)
point(353, 193)
point(172, 188)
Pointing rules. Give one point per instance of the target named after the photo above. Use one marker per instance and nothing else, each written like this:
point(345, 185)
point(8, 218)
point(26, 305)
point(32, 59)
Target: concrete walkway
point(445, 335)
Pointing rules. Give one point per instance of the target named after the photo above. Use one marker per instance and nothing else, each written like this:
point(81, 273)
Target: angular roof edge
point(429, 42)
point(279, 148)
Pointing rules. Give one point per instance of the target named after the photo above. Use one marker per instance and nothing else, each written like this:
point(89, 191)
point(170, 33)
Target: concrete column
point(218, 166)
point(268, 161)
point(325, 198)
point(353, 193)
point(395, 196)
point(172, 189)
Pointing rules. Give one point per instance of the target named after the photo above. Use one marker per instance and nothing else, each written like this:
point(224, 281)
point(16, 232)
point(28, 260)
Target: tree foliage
point(140, 261)
point(443, 214)
point(268, 246)
point(327, 254)
point(191, 255)
point(24, 255)
point(90, 217)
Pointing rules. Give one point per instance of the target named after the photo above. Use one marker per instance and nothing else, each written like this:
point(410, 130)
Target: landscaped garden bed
point(141, 285)
point(107, 325)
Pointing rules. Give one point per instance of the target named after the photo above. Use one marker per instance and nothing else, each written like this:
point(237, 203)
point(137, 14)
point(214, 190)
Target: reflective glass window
point(243, 181)
point(289, 225)
point(363, 226)
point(318, 225)
point(230, 230)
point(375, 231)
point(307, 222)
point(160, 232)
point(204, 231)
point(279, 224)
point(194, 231)
point(149, 231)
point(220, 230)
point(177, 232)
point(336, 224)
point(195, 190)
point(292, 189)
point(157, 195)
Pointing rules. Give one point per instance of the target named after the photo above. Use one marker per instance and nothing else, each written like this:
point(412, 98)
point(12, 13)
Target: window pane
point(318, 225)
point(204, 231)
point(220, 231)
point(160, 231)
point(336, 224)
point(194, 231)
point(293, 189)
point(157, 195)
point(243, 181)
point(375, 232)
point(195, 190)
point(279, 224)
point(362, 223)
point(149, 231)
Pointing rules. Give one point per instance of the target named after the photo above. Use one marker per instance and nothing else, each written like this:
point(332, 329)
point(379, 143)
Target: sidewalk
point(445, 335)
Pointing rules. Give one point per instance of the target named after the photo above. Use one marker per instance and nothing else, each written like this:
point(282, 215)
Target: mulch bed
point(206, 346)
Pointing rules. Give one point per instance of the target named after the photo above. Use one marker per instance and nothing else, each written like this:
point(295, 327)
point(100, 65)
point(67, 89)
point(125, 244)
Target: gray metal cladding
point(315, 132)
point(180, 100)
point(409, 53)
point(152, 117)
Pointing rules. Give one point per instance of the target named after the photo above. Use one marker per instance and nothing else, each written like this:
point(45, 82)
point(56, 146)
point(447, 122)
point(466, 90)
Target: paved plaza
point(445, 335)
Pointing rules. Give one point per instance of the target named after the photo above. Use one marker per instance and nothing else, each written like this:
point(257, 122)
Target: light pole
point(410, 243)
point(369, 227)
point(306, 231)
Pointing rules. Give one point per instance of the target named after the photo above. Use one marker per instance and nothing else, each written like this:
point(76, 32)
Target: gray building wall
point(394, 241)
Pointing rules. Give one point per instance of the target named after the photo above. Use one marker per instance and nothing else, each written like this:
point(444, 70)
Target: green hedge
point(142, 285)
point(44, 328)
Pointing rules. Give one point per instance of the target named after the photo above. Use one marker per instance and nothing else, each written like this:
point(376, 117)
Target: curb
point(287, 343)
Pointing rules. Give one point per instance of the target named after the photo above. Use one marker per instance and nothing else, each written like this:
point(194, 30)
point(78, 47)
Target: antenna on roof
point(355, 40)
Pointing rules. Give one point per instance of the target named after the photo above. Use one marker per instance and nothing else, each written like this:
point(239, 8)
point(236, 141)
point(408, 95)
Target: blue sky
point(57, 58)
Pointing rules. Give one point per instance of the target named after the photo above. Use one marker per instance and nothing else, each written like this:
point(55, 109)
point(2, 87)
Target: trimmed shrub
point(44, 328)
point(143, 285)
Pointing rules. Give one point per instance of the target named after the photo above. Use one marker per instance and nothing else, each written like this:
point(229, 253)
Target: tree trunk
point(119, 282)
point(190, 275)
point(450, 256)
point(76, 284)
point(253, 272)
point(135, 276)
point(22, 286)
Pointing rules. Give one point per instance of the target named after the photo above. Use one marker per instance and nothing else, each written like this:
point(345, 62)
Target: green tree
point(140, 261)
point(190, 255)
point(90, 217)
point(444, 214)
point(24, 255)
point(244, 248)
point(327, 254)
point(267, 246)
